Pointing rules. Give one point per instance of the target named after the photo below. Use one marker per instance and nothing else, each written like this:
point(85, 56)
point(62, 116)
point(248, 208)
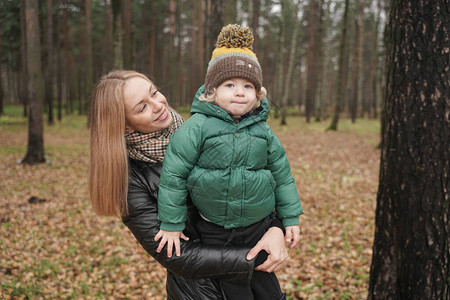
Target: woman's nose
point(157, 105)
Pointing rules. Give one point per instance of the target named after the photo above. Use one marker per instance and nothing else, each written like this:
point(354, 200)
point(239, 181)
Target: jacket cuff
point(291, 221)
point(172, 226)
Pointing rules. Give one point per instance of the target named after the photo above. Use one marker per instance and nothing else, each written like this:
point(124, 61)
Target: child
point(230, 163)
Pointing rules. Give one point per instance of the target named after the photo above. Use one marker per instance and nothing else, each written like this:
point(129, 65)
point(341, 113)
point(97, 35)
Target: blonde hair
point(260, 95)
point(108, 173)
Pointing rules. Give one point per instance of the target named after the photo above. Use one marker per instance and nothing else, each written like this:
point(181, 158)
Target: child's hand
point(172, 238)
point(292, 235)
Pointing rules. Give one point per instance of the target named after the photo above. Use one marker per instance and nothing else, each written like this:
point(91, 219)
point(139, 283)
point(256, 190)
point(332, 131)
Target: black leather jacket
point(191, 275)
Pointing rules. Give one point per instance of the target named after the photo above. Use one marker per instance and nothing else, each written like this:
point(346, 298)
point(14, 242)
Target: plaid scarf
point(151, 147)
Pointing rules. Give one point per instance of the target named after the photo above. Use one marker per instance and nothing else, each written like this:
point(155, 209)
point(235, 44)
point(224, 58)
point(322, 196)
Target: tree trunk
point(200, 42)
point(356, 66)
point(374, 66)
point(89, 62)
point(127, 39)
point(35, 150)
point(291, 62)
point(322, 61)
point(411, 252)
point(24, 64)
point(59, 72)
point(311, 83)
point(50, 65)
point(118, 56)
point(255, 22)
point(280, 65)
point(216, 20)
point(230, 12)
point(153, 41)
point(342, 75)
point(69, 70)
point(1, 85)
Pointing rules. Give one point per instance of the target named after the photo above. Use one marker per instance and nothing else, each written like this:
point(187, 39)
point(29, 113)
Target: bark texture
point(411, 252)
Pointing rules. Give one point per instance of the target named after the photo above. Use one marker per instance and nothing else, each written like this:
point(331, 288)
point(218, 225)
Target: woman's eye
point(154, 93)
point(143, 108)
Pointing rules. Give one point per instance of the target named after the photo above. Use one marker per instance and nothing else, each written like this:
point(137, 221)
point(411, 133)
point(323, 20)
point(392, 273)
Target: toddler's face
point(237, 96)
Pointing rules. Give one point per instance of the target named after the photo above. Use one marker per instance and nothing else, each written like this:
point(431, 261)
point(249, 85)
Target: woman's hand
point(273, 243)
point(172, 238)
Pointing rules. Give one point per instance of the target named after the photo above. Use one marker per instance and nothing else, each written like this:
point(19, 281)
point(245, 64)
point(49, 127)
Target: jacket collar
point(216, 111)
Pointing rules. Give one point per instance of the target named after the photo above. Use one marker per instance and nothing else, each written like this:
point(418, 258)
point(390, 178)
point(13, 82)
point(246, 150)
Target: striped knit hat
point(233, 58)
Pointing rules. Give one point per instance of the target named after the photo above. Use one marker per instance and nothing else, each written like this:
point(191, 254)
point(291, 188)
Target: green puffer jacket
point(235, 173)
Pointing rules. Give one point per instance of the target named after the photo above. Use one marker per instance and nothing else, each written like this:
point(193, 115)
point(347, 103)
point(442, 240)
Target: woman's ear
point(129, 129)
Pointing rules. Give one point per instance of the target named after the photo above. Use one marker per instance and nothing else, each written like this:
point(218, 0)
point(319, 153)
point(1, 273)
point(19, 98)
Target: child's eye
point(229, 85)
point(248, 86)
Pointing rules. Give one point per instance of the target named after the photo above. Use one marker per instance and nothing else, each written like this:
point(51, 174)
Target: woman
point(131, 123)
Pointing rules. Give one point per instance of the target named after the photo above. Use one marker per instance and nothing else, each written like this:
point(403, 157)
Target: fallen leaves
point(58, 248)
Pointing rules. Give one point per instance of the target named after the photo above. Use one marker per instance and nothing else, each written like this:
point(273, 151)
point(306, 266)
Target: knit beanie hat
point(233, 58)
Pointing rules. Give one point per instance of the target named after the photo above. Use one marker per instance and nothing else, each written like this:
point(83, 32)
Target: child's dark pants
point(263, 285)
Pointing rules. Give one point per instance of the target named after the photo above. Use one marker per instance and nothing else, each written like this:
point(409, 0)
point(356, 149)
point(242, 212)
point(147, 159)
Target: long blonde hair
point(108, 174)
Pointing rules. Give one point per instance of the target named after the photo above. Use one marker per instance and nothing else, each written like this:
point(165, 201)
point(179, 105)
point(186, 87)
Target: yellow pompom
point(235, 36)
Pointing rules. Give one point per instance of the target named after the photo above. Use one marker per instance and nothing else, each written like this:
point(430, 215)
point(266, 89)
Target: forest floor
point(56, 247)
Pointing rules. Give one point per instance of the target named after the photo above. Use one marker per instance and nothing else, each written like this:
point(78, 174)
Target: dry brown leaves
point(57, 247)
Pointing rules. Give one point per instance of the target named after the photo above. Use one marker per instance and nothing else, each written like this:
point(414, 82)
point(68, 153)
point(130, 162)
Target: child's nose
point(239, 90)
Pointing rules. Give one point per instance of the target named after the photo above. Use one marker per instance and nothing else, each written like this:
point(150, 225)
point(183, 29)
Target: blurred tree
point(35, 150)
point(312, 61)
point(49, 70)
point(128, 61)
point(356, 73)
point(1, 81)
point(290, 65)
point(23, 63)
point(412, 230)
point(342, 75)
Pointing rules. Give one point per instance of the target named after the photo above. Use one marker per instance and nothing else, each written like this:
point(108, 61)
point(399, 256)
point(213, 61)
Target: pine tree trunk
point(50, 64)
point(59, 73)
point(311, 83)
point(127, 52)
point(89, 62)
point(255, 22)
point(322, 61)
point(152, 53)
point(24, 65)
point(230, 12)
point(291, 62)
point(118, 39)
point(342, 75)
point(1, 85)
point(356, 66)
point(411, 252)
point(372, 100)
point(68, 72)
point(35, 150)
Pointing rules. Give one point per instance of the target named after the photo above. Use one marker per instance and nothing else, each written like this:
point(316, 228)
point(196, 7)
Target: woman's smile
point(163, 116)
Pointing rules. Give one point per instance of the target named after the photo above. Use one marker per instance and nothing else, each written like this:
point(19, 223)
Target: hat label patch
point(240, 62)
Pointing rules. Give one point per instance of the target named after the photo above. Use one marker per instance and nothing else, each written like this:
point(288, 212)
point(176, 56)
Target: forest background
point(321, 59)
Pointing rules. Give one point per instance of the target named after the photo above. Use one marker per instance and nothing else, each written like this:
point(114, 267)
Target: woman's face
point(146, 109)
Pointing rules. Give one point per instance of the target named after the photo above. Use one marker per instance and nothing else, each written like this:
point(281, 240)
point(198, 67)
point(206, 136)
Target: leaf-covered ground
point(56, 247)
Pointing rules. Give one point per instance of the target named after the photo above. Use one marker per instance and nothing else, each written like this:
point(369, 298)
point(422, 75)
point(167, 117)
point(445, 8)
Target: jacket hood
point(213, 110)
